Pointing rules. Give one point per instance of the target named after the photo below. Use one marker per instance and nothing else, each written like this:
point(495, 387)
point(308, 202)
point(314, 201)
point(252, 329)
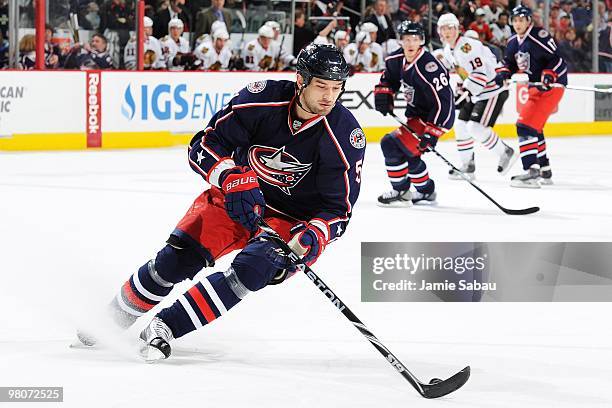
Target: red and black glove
point(430, 136)
point(547, 78)
point(244, 201)
point(383, 98)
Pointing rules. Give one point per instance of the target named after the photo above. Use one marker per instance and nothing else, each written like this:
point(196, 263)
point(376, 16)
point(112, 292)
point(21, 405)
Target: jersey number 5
point(358, 170)
point(440, 82)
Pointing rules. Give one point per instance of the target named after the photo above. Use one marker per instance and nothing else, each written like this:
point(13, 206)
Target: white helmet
point(217, 25)
point(448, 20)
point(369, 28)
point(220, 33)
point(175, 22)
point(340, 35)
point(363, 38)
point(147, 22)
point(471, 34)
point(266, 31)
point(274, 24)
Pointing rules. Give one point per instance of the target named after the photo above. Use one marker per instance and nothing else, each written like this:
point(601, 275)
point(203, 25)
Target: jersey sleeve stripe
point(256, 104)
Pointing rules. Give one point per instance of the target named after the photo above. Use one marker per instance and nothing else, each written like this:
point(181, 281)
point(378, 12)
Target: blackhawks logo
point(276, 167)
point(466, 48)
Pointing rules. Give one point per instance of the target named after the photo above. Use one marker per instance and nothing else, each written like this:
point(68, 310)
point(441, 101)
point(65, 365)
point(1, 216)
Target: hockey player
point(478, 111)
point(208, 36)
point(259, 53)
point(430, 112)
point(153, 58)
point(215, 56)
point(533, 51)
point(284, 151)
point(360, 56)
point(375, 48)
point(341, 39)
point(175, 49)
point(283, 58)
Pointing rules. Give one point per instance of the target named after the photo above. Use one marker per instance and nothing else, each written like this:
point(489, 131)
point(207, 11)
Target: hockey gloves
point(383, 98)
point(503, 74)
point(308, 242)
point(548, 78)
point(244, 201)
point(431, 134)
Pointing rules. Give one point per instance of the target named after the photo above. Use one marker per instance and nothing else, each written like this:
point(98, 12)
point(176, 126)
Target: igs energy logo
point(93, 102)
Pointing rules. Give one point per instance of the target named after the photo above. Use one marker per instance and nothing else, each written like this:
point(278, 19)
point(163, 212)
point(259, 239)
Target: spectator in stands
point(467, 13)
point(481, 27)
point(4, 48)
point(603, 16)
point(302, 34)
point(382, 20)
point(89, 17)
point(175, 9)
point(4, 18)
point(492, 11)
point(52, 52)
point(27, 52)
point(566, 9)
point(574, 52)
point(216, 12)
point(117, 15)
point(92, 55)
point(581, 16)
point(605, 48)
point(501, 30)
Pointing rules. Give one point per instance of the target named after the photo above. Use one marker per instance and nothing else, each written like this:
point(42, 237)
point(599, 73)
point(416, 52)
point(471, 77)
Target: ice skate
point(530, 179)
point(395, 198)
point(85, 340)
point(418, 197)
point(156, 337)
point(546, 176)
point(507, 159)
point(468, 169)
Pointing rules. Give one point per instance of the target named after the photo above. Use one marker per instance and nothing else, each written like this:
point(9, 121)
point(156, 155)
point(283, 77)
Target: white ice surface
point(76, 225)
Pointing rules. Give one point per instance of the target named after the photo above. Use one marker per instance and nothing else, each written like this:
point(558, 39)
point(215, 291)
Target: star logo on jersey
point(276, 167)
point(408, 93)
point(523, 61)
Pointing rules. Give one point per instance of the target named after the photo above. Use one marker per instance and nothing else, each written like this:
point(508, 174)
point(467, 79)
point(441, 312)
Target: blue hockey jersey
point(425, 84)
point(533, 53)
point(309, 171)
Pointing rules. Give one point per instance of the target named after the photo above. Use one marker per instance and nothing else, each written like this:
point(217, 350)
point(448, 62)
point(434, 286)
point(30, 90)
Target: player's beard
point(315, 107)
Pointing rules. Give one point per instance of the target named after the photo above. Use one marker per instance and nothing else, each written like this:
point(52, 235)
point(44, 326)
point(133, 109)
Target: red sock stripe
point(542, 147)
point(398, 173)
point(134, 299)
point(530, 146)
point(491, 141)
point(206, 310)
point(464, 144)
point(420, 179)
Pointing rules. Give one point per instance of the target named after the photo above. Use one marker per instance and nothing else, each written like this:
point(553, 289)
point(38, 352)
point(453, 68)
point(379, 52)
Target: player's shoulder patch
point(256, 87)
point(357, 138)
point(204, 50)
point(542, 33)
point(251, 47)
point(431, 67)
point(466, 48)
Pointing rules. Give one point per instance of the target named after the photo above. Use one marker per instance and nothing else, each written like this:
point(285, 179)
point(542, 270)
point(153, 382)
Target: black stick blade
point(525, 211)
point(442, 388)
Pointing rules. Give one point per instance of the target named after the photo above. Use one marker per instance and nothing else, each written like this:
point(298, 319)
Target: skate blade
point(151, 354)
point(513, 160)
point(520, 184)
point(395, 204)
point(546, 182)
point(470, 177)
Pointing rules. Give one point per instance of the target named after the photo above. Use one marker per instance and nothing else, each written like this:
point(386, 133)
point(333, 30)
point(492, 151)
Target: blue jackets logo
point(170, 102)
point(277, 167)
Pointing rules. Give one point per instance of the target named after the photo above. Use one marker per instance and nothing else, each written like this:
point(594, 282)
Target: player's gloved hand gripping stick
point(436, 387)
point(524, 211)
point(244, 201)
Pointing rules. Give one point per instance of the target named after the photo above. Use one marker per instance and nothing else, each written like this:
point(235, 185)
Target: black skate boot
point(395, 198)
point(467, 168)
point(156, 337)
point(507, 159)
point(530, 179)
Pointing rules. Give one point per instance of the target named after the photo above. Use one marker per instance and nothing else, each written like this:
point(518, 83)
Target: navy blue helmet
point(408, 27)
point(521, 11)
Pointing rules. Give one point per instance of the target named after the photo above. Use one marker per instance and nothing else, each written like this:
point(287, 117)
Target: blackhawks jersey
point(475, 64)
point(310, 171)
point(170, 48)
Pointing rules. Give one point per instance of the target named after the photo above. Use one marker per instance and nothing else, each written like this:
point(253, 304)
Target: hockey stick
point(436, 387)
point(509, 211)
point(570, 87)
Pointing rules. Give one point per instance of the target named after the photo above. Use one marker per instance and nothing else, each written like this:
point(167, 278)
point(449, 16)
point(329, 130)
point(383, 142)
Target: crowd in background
point(195, 34)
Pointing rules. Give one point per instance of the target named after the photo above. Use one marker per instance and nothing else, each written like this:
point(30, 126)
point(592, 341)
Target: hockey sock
point(542, 157)
point(465, 142)
point(528, 145)
point(420, 176)
point(398, 175)
point(487, 137)
point(139, 294)
point(203, 303)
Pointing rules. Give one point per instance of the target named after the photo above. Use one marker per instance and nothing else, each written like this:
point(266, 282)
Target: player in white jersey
point(175, 49)
point(341, 39)
point(481, 100)
point(153, 58)
point(215, 56)
point(283, 57)
point(375, 48)
point(207, 37)
point(259, 54)
point(359, 55)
